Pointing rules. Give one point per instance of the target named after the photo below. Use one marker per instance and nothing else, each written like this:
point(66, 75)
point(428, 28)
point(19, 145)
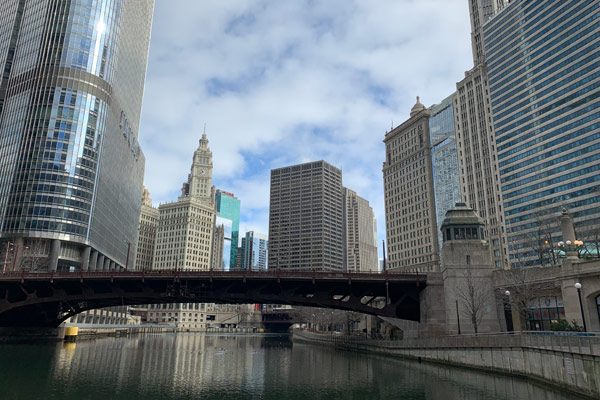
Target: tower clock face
point(202, 171)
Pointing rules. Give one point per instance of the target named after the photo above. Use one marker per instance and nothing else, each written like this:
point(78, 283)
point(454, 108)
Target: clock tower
point(199, 184)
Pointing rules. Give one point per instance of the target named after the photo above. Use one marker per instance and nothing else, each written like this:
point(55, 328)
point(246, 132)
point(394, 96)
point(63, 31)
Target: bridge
point(29, 299)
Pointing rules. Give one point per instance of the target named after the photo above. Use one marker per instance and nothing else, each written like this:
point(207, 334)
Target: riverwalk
point(571, 362)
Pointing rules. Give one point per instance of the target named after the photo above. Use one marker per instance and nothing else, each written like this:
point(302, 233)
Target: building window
point(468, 260)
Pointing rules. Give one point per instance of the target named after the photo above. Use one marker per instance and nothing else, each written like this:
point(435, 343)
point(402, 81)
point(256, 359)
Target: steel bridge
point(47, 299)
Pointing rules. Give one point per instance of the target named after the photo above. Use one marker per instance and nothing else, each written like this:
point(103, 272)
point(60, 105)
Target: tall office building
point(544, 83)
point(146, 241)
point(216, 253)
point(221, 252)
point(482, 11)
point(478, 164)
point(255, 250)
point(360, 234)
point(444, 160)
point(71, 168)
point(184, 238)
point(305, 217)
point(228, 206)
point(410, 221)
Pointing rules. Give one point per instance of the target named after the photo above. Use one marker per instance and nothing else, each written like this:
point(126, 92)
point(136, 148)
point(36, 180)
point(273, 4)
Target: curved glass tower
point(71, 168)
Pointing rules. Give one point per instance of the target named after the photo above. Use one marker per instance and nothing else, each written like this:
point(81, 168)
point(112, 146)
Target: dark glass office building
point(543, 61)
point(71, 168)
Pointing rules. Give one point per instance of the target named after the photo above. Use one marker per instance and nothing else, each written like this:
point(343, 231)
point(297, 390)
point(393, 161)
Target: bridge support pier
point(54, 253)
point(85, 258)
point(106, 267)
point(93, 260)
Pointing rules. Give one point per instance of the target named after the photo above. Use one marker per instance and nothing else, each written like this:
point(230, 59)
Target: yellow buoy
point(71, 333)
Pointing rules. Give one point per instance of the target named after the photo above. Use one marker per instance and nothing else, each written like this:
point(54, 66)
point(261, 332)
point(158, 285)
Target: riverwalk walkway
point(568, 361)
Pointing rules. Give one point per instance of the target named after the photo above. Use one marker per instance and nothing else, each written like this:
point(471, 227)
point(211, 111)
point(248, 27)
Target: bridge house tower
point(467, 274)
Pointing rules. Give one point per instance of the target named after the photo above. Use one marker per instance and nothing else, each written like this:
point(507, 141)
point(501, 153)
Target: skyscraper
point(360, 234)
point(255, 250)
point(146, 241)
point(482, 11)
point(478, 164)
point(71, 168)
point(184, 238)
point(305, 217)
point(410, 220)
point(544, 97)
point(222, 244)
point(444, 160)
point(228, 206)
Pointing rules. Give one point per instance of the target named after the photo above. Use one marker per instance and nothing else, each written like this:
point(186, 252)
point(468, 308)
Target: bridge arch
point(47, 299)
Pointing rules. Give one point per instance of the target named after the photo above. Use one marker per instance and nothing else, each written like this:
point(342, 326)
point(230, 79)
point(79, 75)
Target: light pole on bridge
point(578, 287)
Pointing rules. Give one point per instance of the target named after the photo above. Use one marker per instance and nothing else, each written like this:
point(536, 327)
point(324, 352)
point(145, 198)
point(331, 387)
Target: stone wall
point(568, 362)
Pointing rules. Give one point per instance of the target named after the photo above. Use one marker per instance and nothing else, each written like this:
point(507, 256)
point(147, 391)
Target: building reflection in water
point(256, 366)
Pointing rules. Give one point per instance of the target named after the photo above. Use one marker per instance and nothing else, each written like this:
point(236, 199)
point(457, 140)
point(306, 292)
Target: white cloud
point(279, 83)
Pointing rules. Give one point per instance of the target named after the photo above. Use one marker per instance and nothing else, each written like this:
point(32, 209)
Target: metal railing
point(23, 274)
point(577, 343)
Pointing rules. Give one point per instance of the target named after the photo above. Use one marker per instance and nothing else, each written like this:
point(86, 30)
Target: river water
point(199, 366)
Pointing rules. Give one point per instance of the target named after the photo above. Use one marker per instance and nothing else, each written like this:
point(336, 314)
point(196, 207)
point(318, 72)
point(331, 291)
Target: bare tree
point(34, 256)
point(5, 256)
point(525, 284)
point(473, 295)
point(541, 241)
point(590, 235)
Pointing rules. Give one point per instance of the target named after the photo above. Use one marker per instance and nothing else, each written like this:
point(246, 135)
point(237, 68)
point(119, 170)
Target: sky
point(279, 83)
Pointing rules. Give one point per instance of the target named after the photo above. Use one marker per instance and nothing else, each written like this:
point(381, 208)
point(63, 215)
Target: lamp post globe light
point(578, 287)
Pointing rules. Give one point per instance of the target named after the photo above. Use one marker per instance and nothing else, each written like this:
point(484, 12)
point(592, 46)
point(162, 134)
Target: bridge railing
point(279, 273)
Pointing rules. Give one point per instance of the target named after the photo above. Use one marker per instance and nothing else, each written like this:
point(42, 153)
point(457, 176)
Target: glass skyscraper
point(255, 251)
point(444, 160)
point(228, 206)
point(543, 61)
point(71, 168)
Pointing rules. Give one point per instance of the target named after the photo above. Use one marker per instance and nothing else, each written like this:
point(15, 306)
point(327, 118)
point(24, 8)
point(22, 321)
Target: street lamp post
point(508, 312)
point(578, 287)
point(457, 317)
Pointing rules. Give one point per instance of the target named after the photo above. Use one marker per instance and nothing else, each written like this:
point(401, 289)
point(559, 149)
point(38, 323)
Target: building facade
point(480, 12)
point(478, 163)
point(410, 220)
point(444, 160)
point(196, 317)
point(228, 206)
point(184, 238)
point(146, 241)
point(216, 253)
point(71, 168)
point(544, 87)
point(305, 217)
point(360, 234)
point(255, 251)
point(222, 244)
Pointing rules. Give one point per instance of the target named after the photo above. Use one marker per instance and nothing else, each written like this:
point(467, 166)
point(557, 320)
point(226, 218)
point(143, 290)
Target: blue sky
point(284, 82)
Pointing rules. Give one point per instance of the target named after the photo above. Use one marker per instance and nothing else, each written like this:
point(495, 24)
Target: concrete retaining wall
point(571, 363)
